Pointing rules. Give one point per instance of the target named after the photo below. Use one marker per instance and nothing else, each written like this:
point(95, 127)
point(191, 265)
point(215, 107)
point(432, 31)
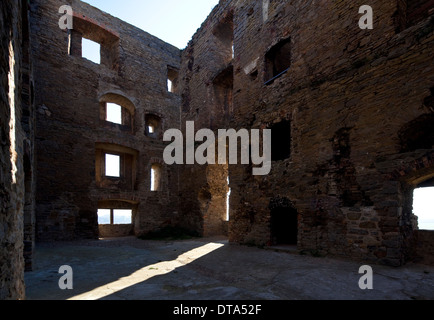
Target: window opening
point(281, 141)
point(423, 207)
point(155, 177)
point(122, 216)
point(114, 113)
point(277, 61)
point(91, 50)
point(115, 216)
point(228, 196)
point(104, 216)
point(112, 166)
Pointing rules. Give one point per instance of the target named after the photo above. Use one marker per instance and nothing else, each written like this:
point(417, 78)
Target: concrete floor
point(210, 269)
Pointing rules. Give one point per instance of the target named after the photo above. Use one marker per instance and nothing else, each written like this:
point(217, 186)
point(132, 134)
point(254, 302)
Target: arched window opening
point(153, 126)
point(116, 111)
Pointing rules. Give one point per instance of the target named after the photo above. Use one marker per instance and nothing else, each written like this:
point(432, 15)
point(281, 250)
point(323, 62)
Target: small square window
point(122, 216)
point(91, 50)
point(104, 216)
point(112, 166)
point(114, 113)
point(153, 126)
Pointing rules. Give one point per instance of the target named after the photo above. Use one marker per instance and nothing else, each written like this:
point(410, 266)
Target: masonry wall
point(15, 118)
point(349, 96)
point(73, 136)
point(206, 96)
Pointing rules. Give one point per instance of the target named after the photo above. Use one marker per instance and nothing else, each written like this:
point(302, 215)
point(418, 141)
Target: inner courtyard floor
point(210, 269)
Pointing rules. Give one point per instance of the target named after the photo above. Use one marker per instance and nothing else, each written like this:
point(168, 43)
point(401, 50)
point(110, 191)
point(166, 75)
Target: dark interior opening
point(284, 226)
point(223, 89)
point(281, 141)
point(277, 60)
point(418, 134)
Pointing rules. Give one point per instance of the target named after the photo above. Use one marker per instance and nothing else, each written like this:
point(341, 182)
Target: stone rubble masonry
point(72, 136)
point(351, 113)
point(347, 94)
point(16, 148)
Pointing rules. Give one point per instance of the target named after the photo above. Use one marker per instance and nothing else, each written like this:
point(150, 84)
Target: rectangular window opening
point(104, 216)
point(172, 79)
point(114, 113)
point(155, 177)
point(422, 207)
point(121, 216)
point(281, 143)
point(277, 61)
point(91, 50)
point(228, 196)
point(112, 166)
point(115, 216)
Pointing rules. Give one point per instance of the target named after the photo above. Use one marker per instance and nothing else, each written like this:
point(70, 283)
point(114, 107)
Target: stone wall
point(425, 247)
point(206, 91)
point(73, 136)
point(15, 119)
point(346, 94)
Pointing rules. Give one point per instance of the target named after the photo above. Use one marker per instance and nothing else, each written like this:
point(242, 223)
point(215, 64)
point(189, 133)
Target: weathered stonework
point(347, 95)
point(71, 96)
point(351, 113)
point(16, 150)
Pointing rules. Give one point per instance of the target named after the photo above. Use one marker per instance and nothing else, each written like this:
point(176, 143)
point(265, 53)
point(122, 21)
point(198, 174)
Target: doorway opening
point(423, 207)
point(284, 226)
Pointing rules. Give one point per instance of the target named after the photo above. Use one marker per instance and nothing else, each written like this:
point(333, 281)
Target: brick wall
point(347, 95)
point(72, 134)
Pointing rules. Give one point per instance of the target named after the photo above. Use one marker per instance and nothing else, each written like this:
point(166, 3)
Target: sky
point(173, 21)
point(423, 207)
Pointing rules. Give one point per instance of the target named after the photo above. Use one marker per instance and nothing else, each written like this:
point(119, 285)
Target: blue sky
point(173, 21)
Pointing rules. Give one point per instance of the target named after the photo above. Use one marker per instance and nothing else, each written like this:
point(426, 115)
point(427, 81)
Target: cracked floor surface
point(210, 269)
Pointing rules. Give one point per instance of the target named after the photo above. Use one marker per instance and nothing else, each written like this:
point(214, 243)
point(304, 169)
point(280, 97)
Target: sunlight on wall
point(12, 122)
point(148, 272)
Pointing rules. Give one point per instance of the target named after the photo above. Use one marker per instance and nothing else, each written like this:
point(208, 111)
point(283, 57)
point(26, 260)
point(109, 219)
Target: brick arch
point(157, 161)
point(416, 171)
point(125, 198)
point(119, 99)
